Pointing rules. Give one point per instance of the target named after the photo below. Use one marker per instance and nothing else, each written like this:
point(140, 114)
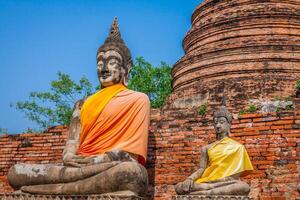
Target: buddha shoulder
point(139, 96)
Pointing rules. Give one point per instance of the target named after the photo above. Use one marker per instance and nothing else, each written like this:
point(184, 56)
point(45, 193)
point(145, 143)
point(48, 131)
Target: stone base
point(209, 197)
point(69, 197)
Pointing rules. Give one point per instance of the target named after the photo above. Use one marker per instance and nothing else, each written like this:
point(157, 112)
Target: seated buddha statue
point(222, 163)
point(107, 138)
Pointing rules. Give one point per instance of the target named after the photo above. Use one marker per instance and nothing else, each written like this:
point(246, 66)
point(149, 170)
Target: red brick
point(284, 122)
point(245, 120)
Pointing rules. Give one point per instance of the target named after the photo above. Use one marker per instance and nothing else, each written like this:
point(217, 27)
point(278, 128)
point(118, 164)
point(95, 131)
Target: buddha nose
point(104, 68)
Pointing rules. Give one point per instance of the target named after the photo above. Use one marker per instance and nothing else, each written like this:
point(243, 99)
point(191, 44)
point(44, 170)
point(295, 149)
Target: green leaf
point(153, 81)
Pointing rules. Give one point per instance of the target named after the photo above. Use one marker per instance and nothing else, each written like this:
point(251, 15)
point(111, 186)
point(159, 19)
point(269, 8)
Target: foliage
point(32, 130)
point(242, 112)
point(252, 108)
point(278, 109)
point(289, 107)
point(153, 81)
point(55, 107)
point(286, 108)
point(298, 86)
point(3, 130)
point(202, 109)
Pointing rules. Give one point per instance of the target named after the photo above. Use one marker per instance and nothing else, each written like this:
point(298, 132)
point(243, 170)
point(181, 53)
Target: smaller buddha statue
point(222, 163)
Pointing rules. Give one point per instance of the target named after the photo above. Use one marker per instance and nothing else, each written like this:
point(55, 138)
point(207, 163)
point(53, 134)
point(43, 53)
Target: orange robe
point(121, 125)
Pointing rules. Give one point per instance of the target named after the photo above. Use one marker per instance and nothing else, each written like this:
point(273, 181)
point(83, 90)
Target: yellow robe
point(115, 118)
point(226, 157)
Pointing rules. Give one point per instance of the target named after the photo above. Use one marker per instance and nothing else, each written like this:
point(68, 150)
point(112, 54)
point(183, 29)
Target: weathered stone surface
point(210, 197)
point(244, 48)
point(68, 197)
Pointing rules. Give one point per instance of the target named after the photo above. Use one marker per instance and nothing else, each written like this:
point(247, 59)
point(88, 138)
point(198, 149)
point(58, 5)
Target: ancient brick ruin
point(236, 51)
point(247, 49)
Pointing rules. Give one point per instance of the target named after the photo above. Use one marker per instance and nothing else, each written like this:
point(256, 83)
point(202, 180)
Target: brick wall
point(176, 136)
point(30, 148)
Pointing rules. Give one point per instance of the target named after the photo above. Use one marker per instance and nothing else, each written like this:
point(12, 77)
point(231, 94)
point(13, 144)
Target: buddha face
point(110, 68)
point(221, 125)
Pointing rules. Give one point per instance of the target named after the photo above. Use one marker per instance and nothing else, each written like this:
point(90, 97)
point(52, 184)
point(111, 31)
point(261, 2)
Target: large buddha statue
point(107, 139)
point(222, 163)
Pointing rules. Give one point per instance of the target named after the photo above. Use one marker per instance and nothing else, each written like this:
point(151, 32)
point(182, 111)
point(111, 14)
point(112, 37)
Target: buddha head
point(222, 121)
point(113, 59)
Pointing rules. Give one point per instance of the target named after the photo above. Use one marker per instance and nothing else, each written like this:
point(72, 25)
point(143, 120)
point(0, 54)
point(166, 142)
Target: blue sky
point(41, 37)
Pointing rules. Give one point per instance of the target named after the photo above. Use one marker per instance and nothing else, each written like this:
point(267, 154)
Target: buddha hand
point(71, 160)
point(184, 187)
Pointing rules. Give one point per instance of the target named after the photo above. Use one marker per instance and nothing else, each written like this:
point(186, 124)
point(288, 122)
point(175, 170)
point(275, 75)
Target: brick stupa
point(248, 49)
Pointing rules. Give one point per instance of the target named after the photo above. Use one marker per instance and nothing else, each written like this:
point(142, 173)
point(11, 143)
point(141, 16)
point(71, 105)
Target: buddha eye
point(112, 61)
point(100, 64)
point(222, 121)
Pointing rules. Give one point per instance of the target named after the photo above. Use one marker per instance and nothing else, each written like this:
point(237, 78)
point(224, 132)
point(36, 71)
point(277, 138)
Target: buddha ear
point(124, 78)
point(126, 71)
point(129, 66)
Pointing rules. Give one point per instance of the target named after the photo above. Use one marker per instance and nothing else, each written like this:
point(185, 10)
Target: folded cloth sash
point(226, 158)
point(115, 118)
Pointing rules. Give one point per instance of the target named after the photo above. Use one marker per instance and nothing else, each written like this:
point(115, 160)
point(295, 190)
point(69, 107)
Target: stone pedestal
point(69, 197)
point(209, 197)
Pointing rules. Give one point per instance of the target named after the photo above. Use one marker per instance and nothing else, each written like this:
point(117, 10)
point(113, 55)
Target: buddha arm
point(203, 165)
point(73, 132)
